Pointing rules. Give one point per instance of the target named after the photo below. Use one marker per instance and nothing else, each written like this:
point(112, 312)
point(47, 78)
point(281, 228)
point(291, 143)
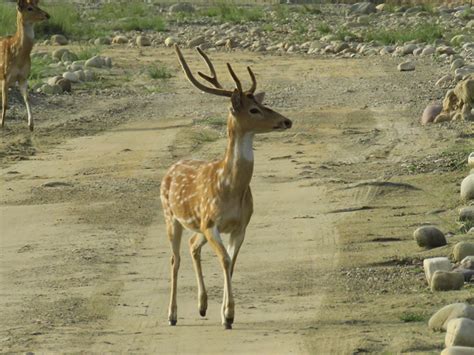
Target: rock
point(446, 281)
point(466, 214)
point(54, 80)
point(65, 85)
point(458, 40)
point(340, 47)
point(103, 41)
point(197, 41)
point(77, 65)
point(58, 53)
point(428, 51)
point(460, 332)
point(143, 41)
point(467, 188)
point(418, 51)
point(457, 63)
point(445, 50)
point(119, 40)
point(406, 66)
point(408, 49)
point(51, 89)
point(68, 57)
point(108, 62)
point(470, 160)
point(464, 72)
point(72, 77)
point(380, 7)
point(468, 263)
point(439, 321)
point(429, 237)
point(80, 74)
point(362, 8)
point(430, 113)
point(94, 62)
point(442, 117)
point(59, 40)
point(462, 250)
point(170, 41)
point(458, 350)
point(445, 81)
point(434, 264)
point(181, 7)
point(89, 75)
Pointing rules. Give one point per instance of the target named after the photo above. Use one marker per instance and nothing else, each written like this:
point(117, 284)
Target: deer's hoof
point(202, 312)
point(229, 320)
point(173, 322)
point(31, 128)
point(228, 326)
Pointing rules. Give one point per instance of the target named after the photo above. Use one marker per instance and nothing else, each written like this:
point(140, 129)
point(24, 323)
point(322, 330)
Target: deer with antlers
point(214, 198)
point(15, 62)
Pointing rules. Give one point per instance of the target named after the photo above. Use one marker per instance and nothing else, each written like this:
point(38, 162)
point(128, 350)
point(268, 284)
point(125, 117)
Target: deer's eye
point(254, 111)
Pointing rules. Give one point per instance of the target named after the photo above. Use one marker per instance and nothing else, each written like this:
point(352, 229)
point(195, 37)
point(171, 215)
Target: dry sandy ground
point(328, 265)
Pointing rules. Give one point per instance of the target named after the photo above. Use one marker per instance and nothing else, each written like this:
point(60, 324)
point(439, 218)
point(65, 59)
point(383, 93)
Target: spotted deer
point(15, 62)
point(212, 198)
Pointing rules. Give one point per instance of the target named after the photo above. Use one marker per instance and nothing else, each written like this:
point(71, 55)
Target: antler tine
point(212, 79)
point(196, 83)
point(254, 80)
point(236, 79)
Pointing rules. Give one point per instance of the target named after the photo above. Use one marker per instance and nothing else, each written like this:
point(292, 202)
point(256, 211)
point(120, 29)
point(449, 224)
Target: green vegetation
point(323, 28)
point(412, 317)
point(426, 32)
point(158, 72)
point(215, 122)
point(40, 69)
point(7, 19)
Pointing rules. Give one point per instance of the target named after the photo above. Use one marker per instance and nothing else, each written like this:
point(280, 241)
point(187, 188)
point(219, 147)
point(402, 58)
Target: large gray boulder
point(460, 331)
point(429, 237)
point(446, 281)
point(439, 321)
point(463, 249)
point(432, 265)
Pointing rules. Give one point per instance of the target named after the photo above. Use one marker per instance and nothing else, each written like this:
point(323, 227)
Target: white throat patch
point(244, 147)
point(29, 31)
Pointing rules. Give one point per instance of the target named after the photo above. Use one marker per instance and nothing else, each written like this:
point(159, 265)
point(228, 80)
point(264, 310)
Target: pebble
point(460, 332)
point(406, 66)
point(431, 265)
point(462, 250)
point(59, 40)
point(428, 51)
point(143, 41)
point(430, 113)
point(467, 188)
point(429, 237)
point(446, 281)
point(466, 214)
point(94, 62)
point(72, 77)
point(439, 321)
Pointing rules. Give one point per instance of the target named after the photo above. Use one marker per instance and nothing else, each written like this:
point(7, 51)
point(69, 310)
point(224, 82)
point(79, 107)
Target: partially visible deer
point(214, 198)
point(15, 62)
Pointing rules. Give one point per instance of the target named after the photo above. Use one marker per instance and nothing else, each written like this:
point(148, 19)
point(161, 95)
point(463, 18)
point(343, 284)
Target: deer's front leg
point(175, 231)
point(214, 239)
point(195, 244)
point(24, 92)
point(4, 89)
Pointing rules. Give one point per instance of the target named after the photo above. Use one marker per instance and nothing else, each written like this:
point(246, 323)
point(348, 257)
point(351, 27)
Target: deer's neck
point(238, 161)
point(25, 35)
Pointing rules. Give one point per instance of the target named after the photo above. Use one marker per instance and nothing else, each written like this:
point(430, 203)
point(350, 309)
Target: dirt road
point(85, 259)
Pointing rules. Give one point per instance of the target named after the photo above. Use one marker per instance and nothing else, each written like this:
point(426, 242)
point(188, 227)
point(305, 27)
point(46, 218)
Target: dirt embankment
point(328, 265)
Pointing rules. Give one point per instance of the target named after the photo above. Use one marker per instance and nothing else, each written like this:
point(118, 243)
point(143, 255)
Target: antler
point(192, 79)
point(217, 89)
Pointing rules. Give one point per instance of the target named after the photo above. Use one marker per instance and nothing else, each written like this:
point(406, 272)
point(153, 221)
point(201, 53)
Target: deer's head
point(30, 11)
point(247, 109)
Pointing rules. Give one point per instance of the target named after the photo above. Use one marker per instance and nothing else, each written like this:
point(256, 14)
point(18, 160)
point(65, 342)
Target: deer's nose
point(287, 123)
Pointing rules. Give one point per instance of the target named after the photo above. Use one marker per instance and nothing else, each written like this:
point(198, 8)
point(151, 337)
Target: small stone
point(428, 51)
point(197, 41)
point(445, 81)
point(439, 321)
point(54, 80)
point(65, 85)
point(445, 50)
point(408, 49)
point(460, 332)
point(89, 75)
point(446, 281)
point(59, 40)
point(103, 41)
point(466, 214)
point(80, 74)
point(457, 63)
point(72, 77)
point(170, 41)
point(430, 113)
point(58, 53)
point(406, 66)
point(68, 57)
point(432, 265)
point(467, 188)
point(429, 237)
point(143, 41)
point(120, 40)
point(458, 350)
point(462, 250)
point(94, 62)
point(470, 160)
point(442, 117)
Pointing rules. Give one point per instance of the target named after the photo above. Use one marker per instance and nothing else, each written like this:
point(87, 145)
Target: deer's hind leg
point(24, 92)
point(4, 89)
point(175, 231)
point(195, 244)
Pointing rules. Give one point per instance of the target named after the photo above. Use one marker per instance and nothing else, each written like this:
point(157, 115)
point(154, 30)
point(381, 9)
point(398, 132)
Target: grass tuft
point(426, 32)
point(408, 317)
point(158, 72)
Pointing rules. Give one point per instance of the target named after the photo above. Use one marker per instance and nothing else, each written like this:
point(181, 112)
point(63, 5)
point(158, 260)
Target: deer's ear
point(236, 101)
point(21, 4)
point(259, 97)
